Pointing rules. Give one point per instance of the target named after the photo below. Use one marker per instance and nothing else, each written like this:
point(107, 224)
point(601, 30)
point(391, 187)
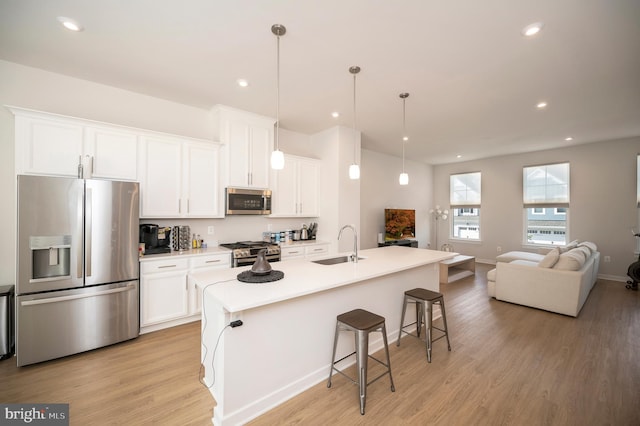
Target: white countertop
point(303, 277)
point(186, 253)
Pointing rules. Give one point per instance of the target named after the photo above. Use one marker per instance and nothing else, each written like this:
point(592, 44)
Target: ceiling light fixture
point(541, 105)
point(277, 156)
point(568, 138)
point(70, 24)
point(404, 177)
point(242, 82)
point(335, 114)
point(532, 29)
point(354, 169)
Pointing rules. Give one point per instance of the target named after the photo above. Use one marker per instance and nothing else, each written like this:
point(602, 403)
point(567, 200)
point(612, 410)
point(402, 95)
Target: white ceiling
point(473, 79)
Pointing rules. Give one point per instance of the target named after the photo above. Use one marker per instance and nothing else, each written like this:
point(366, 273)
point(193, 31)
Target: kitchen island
point(284, 344)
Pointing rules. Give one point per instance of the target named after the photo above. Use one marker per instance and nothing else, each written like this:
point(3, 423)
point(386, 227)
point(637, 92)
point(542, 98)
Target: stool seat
point(424, 300)
point(360, 319)
point(362, 323)
point(423, 294)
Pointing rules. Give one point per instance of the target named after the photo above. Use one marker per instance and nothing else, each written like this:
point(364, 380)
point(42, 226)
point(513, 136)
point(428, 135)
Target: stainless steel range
point(244, 253)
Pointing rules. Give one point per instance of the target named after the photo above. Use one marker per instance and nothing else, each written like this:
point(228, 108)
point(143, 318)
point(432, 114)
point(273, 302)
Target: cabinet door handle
point(166, 266)
point(188, 206)
point(179, 205)
point(212, 261)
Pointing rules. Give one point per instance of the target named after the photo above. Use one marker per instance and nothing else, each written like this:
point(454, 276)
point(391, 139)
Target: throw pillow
point(550, 259)
point(571, 260)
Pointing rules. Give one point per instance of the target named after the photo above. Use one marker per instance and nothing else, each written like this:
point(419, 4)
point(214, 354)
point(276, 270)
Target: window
point(546, 204)
point(465, 197)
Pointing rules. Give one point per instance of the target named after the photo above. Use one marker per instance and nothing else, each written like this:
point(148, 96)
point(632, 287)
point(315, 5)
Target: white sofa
point(559, 281)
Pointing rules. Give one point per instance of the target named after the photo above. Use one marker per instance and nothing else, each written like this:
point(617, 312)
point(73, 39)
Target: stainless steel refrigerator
point(77, 284)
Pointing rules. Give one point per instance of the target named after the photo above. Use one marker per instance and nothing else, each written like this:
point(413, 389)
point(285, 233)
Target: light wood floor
point(509, 365)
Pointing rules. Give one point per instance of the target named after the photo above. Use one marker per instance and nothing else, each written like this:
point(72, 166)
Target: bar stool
point(362, 323)
point(424, 300)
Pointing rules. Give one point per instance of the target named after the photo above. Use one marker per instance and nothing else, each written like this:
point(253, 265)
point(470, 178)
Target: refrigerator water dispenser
point(51, 257)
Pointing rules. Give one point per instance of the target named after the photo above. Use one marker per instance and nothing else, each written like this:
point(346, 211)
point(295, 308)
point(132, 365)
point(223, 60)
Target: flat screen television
point(399, 224)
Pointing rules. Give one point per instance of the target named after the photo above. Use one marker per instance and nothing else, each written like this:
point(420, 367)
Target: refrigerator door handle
point(76, 296)
point(88, 231)
point(77, 244)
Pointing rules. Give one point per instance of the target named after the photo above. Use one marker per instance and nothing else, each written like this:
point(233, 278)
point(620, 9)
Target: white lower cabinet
point(163, 291)
point(204, 264)
point(303, 251)
point(167, 296)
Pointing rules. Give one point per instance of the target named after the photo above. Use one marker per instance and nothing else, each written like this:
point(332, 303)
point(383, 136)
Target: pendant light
point(354, 169)
point(404, 177)
point(277, 156)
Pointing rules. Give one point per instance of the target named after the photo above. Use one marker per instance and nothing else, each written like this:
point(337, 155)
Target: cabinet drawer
point(166, 265)
point(291, 251)
point(319, 249)
point(210, 261)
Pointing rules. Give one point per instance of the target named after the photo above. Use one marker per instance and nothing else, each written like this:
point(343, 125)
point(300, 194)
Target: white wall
point(380, 190)
point(603, 205)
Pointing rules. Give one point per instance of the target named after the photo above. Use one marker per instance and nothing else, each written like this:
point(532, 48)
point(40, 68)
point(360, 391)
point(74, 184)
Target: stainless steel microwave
point(248, 201)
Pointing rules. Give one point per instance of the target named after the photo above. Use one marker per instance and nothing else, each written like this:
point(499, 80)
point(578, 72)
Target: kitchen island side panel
point(284, 348)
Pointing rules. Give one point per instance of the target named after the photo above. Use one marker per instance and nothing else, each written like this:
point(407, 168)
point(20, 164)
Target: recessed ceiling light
point(335, 114)
point(405, 138)
point(532, 29)
point(70, 24)
point(242, 82)
point(541, 105)
point(568, 138)
point(458, 156)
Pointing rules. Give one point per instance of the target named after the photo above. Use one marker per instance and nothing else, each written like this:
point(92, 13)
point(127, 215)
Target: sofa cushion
point(571, 260)
point(550, 259)
point(519, 255)
point(573, 244)
point(590, 245)
point(586, 250)
point(491, 275)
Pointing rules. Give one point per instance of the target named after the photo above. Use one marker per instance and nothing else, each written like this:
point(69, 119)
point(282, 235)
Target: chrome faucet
point(353, 257)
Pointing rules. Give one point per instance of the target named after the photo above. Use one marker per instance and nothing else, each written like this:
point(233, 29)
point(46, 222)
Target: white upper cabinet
point(248, 141)
point(111, 153)
point(179, 178)
point(295, 188)
point(201, 189)
point(50, 144)
point(161, 177)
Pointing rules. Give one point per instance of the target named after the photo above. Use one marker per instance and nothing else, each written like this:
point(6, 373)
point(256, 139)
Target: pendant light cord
point(404, 128)
point(354, 119)
point(278, 94)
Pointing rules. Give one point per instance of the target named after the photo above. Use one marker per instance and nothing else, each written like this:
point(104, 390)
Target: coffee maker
point(156, 239)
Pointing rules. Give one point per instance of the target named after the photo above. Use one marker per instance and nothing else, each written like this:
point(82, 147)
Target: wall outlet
point(607, 259)
point(499, 249)
point(210, 230)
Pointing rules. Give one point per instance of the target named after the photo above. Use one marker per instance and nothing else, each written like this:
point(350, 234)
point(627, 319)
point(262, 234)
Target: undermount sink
point(334, 260)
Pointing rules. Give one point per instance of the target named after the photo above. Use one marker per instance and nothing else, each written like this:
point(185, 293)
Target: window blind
point(546, 185)
point(465, 190)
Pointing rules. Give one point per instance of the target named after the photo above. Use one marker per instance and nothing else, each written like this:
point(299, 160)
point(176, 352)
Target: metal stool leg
point(404, 309)
point(444, 320)
point(429, 327)
point(418, 318)
point(333, 358)
point(362, 355)
point(386, 349)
